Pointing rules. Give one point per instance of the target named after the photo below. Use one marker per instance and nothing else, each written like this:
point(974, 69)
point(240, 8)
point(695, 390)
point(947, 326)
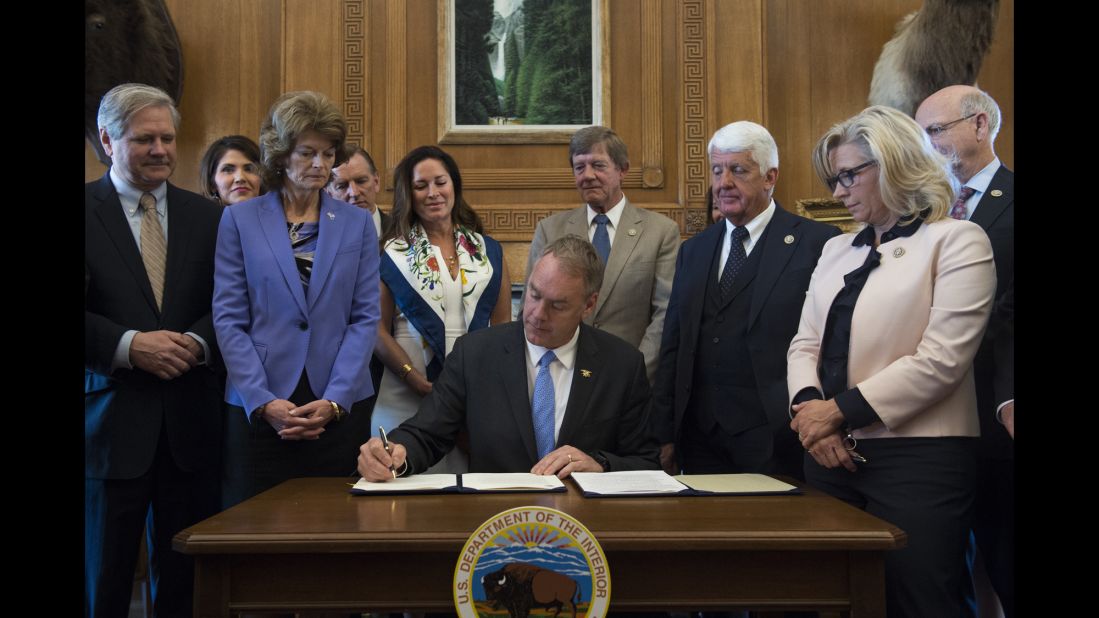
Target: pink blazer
point(915, 329)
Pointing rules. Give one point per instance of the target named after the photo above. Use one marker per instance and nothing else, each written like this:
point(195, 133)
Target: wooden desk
point(309, 545)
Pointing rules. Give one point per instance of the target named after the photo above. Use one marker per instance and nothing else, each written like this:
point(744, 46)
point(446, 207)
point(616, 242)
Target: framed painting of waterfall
point(521, 71)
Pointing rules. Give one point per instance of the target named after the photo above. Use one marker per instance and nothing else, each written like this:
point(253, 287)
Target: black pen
point(385, 443)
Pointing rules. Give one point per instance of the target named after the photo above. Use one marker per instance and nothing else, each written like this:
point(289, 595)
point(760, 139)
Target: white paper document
point(509, 480)
point(657, 482)
point(418, 482)
point(628, 482)
point(735, 483)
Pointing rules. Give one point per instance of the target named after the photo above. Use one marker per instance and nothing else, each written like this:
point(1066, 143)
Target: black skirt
point(256, 458)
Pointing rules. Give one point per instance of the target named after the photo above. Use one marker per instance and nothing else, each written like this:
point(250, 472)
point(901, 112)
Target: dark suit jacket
point(124, 410)
point(994, 367)
point(778, 294)
point(483, 387)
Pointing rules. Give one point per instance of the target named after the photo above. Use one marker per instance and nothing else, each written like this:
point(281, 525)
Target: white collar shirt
point(614, 214)
point(979, 183)
point(561, 370)
point(755, 229)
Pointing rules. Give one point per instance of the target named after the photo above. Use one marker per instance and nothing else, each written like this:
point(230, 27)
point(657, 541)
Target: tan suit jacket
point(915, 330)
point(637, 280)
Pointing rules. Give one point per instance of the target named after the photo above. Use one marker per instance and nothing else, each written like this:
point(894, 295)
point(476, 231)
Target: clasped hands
point(298, 422)
point(164, 353)
point(817, 423)
point(375, 464)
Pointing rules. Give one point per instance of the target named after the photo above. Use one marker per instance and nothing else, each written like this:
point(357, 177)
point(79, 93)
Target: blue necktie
point(737, 258)
point(542, 405)
point(602, 240)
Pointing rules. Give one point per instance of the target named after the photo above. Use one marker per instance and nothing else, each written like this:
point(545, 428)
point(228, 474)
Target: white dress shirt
point(614, 213)
point(755, 230)
point(561, 370)
point(979, 183)
point(130, 196)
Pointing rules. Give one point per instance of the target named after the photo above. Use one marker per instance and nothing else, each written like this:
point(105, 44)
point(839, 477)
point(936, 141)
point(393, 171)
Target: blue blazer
point(270, 329)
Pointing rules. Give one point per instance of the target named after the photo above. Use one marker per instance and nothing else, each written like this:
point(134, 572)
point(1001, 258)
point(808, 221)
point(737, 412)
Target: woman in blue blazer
point(295, 309)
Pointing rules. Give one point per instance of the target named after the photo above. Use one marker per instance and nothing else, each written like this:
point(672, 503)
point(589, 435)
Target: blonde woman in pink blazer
point(880, 371)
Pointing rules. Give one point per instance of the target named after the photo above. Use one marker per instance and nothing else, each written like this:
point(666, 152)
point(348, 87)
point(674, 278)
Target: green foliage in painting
point(557, 64)
point(511, 77)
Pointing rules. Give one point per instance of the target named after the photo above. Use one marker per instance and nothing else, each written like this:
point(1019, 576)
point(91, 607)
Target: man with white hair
point(720, 403)
point(963, 122)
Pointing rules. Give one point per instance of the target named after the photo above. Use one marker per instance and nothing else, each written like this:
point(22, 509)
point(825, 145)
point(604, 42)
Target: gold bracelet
point(405, 370)
point(337, 410)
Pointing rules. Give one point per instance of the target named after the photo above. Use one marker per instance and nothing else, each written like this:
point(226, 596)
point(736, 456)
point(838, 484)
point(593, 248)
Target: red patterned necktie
point(957, 211)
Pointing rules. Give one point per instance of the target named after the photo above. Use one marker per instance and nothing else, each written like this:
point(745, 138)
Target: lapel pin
point(898, 252)
point(997, 193)
point(632, 232)
point(585, 373)
point(789, 239)
point(331, 215)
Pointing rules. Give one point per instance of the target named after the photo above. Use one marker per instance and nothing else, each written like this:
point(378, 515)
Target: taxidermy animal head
point(127, 41)
point(939, 45)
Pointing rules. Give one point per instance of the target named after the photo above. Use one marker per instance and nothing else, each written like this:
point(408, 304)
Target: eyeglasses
point(936, 130)
point(847, 177)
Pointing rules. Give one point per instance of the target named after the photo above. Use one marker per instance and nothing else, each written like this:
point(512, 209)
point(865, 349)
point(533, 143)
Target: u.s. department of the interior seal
point(532, 559)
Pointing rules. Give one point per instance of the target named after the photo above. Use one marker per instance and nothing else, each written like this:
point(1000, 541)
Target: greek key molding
point(356, 47)
point(532, 178)
point(695, 21)
point(516, 222)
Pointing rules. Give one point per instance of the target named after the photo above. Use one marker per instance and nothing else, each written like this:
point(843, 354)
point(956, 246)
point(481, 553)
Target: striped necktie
point(153, 248)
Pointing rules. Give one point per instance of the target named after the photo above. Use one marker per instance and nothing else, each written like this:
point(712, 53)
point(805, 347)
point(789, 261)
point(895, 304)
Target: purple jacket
point(269, 329)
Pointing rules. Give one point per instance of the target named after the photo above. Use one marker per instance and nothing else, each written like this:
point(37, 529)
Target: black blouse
point(836, 341)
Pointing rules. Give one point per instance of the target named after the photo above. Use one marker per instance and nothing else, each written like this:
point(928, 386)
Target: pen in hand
point(385, 443)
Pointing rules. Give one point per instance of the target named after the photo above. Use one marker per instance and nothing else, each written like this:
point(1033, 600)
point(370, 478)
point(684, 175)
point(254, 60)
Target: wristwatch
point(339, 412)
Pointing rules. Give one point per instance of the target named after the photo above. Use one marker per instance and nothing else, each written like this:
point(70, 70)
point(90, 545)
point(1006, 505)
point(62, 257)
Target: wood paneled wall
point(679, 70)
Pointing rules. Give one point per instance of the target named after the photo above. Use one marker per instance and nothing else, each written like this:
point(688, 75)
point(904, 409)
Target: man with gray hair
point(720, 397)
point(152, 403)
point(549, 395)
point(357, 182)
point(963, 122)
point(636, 246)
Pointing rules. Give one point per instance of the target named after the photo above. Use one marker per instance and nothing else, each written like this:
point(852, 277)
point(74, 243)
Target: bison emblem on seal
point(520, 586)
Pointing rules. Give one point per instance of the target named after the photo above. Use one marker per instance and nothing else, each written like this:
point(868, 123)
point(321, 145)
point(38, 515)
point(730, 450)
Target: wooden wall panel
point(312, 57)
point(678, 70)
point(737, 56)
point(998, 79)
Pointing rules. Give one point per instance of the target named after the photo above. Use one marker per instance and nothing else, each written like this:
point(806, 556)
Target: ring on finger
point(570, 457)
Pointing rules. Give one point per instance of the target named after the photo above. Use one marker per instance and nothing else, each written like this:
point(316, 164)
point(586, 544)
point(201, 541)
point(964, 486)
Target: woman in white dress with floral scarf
point(441, 277)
